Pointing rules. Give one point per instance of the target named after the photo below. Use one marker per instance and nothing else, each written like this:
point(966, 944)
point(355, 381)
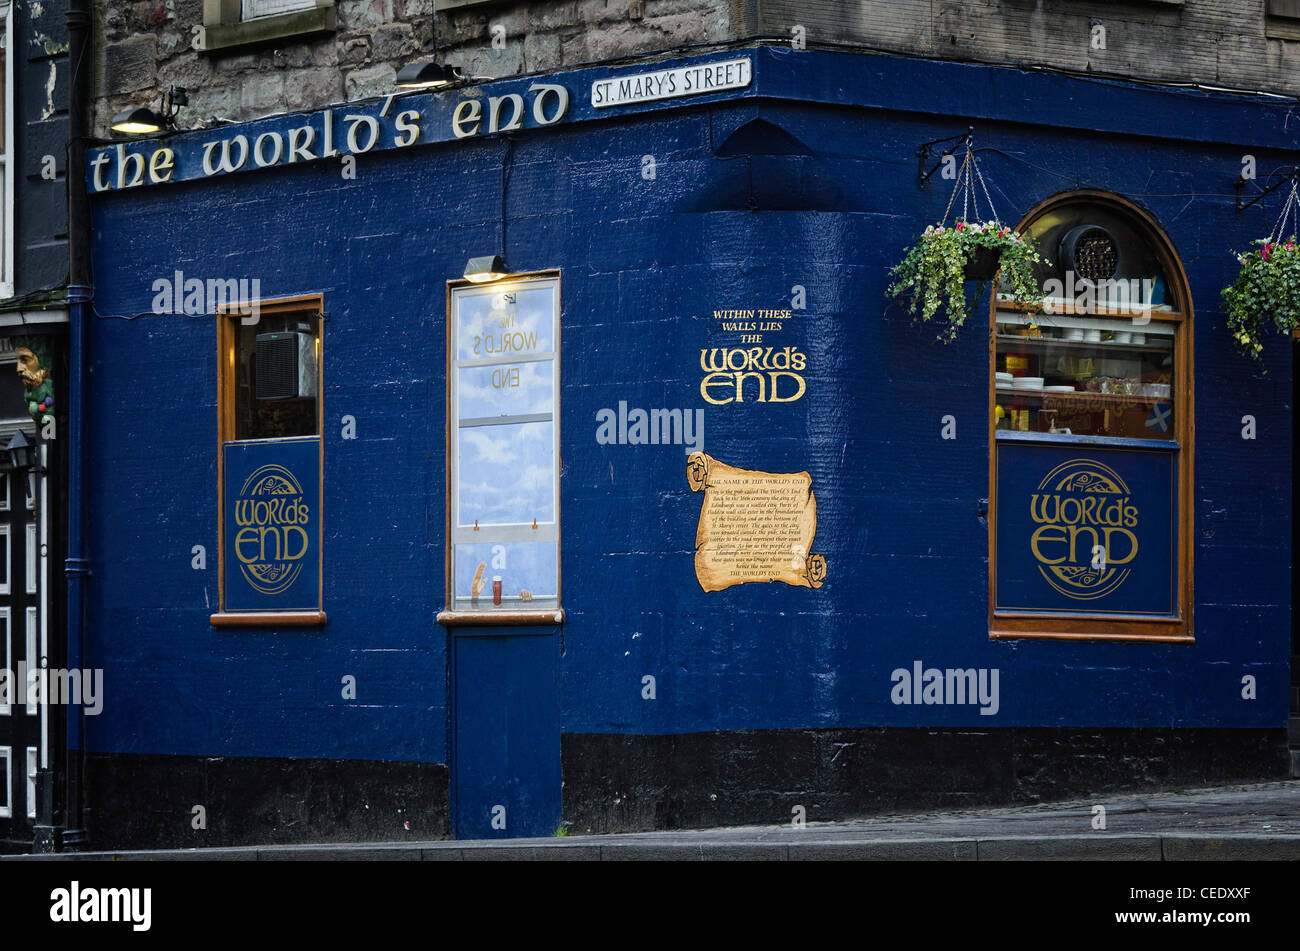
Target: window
point(503, 447)
point(440, 5)
point(31, 782)
point(1289, 9)
point(6, 165)
point(233, 23)
point(5, 551)
point(32, 633)
point(269, 468)
point(1283, 20)
point(7, 779)
point(251, 9)
point(7, 656)
point(1090, 462)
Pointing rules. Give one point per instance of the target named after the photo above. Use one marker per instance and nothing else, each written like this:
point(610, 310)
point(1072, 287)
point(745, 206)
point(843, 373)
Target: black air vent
point(277, 366)
point(1091, 252)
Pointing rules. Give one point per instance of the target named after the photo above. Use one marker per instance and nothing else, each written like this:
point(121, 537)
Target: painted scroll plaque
point(754, 526)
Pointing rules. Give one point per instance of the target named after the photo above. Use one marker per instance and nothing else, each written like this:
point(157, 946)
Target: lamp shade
point(138, 121)
point(487, 268)
point(426, 76)
point(21, 453)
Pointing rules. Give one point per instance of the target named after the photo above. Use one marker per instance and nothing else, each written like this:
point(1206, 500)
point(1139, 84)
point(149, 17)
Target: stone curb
point(1096, 847)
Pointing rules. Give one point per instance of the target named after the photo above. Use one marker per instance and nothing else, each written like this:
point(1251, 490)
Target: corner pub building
point(672, 518)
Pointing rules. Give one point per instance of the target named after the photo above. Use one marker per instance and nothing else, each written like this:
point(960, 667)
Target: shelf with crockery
point(1053, 307)
point(1066, 396)
point(1122, 341)
point(1083, 375)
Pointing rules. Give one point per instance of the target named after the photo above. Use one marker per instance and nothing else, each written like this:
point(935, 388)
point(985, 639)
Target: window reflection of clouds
point(506, 474)
point(533, 394)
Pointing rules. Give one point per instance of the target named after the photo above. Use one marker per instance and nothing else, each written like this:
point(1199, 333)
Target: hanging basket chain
point(1290, 208)
point(967, 176)
point(955, 188)
point(993, 212)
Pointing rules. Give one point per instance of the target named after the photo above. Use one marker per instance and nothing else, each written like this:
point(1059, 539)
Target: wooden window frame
point(1114, 626)
point(224, 27)
point(226, 433)
point(449, 617)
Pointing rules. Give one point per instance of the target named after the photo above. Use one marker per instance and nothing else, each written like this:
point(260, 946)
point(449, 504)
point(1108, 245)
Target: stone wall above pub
point(321, 51)
point(352, 49)
point(1239, 44)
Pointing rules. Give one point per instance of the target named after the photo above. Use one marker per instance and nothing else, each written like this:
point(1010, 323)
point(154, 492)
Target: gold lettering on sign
point(754, 526)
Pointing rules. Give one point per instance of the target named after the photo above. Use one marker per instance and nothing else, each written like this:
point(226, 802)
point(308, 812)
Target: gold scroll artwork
point(754, 526)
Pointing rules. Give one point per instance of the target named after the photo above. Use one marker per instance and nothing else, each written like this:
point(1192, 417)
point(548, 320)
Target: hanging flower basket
point(983, 264)
point(1266, 293)
point(934, 271)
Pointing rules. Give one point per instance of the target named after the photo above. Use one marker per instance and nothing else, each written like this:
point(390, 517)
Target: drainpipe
point(76, 566)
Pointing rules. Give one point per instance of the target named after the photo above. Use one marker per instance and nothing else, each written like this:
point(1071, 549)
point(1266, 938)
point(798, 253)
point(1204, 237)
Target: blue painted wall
point(644, 263)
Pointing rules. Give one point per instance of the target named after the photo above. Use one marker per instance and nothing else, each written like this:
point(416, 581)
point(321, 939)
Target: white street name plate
point(670, 83)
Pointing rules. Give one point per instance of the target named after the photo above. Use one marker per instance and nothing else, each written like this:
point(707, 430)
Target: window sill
point(440, 5)
point(500, 618)
point(221, 37)
point(1115, 442)
point(269, 619)
point(1132, 630)
point(1281, 28)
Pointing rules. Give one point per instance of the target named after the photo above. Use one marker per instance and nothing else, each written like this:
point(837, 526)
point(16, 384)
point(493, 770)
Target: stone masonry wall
point(143, 47)
point(1241, 44)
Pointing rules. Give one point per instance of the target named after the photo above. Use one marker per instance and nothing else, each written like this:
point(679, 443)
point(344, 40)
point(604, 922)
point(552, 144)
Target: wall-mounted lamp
point(21, 453)
point(427, 76)
point(485, 269)
point(142, 120)
point(20, 456)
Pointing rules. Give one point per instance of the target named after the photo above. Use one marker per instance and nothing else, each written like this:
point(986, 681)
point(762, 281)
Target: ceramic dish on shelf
point(1003, 379)
point(1075, 335)
point(1027, 383)
point(1092, 336)
point(1123, 336)
point(1058, 389)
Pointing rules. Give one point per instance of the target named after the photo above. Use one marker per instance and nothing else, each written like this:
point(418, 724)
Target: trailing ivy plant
point(933, 272)
point(1266, 292)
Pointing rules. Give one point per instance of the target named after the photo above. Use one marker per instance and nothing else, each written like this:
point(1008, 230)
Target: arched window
point(1090, 423)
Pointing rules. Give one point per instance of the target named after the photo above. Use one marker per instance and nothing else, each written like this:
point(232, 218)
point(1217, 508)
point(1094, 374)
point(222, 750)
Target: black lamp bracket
point(172, 100)
point(923, 153)
point(1240, 186)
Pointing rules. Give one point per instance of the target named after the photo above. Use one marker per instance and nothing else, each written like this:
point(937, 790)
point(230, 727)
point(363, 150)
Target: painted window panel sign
point(272, 524)
point(504, 446)
point(1086, 530)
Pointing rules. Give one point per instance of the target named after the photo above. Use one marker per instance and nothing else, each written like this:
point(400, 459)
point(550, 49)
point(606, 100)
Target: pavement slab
point(1260, 821)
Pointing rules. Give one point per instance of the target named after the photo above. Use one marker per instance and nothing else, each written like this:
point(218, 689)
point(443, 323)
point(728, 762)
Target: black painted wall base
point(147, 802)
point(698, 780)
point(690, 781)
